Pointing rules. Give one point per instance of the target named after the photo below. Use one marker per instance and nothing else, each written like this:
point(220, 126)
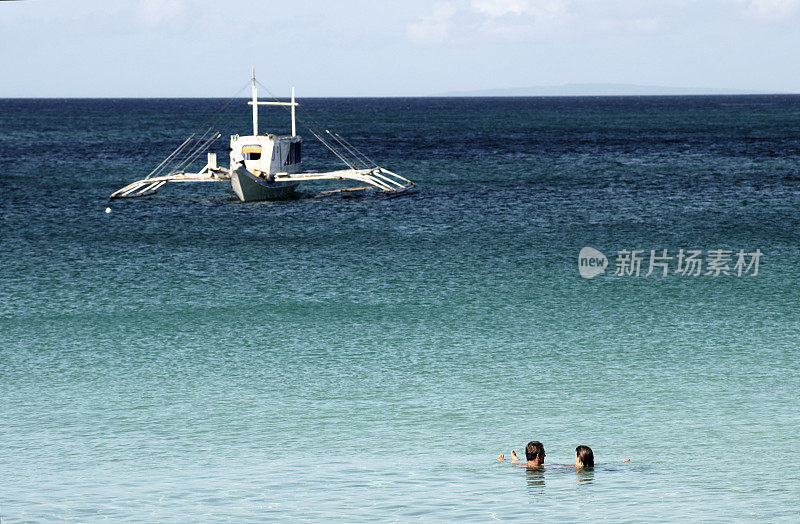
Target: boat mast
point(255, 104)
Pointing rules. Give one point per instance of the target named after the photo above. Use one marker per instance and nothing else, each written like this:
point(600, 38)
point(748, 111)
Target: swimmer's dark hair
point(585, 455)
point(534, 449)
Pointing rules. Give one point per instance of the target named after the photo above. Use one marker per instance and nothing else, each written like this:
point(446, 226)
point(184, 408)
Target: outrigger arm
point(148, 186)
point(377, 178)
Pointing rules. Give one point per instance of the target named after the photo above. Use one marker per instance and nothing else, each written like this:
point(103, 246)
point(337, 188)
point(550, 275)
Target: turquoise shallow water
point(188, 357)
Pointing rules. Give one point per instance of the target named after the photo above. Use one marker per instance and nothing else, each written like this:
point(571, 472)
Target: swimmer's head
point(534, 451)
point(584, 458)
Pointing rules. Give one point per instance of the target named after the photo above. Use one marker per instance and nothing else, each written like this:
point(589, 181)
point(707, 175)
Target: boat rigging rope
point(351, 163)
point(200, 149)
point(332, 149)
point(350, 150)
point(365, 157)
point(180, 147)
point(198, 144)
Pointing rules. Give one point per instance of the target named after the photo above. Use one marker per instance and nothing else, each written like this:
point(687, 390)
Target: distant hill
point(600, 90)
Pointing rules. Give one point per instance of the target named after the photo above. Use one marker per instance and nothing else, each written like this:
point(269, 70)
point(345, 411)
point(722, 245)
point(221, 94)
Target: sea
point(186, 357)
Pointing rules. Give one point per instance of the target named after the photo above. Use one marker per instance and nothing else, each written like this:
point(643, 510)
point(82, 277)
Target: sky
point(189, 48)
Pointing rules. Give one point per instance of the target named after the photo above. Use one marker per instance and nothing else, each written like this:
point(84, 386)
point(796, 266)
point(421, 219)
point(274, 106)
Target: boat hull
point(250, 188)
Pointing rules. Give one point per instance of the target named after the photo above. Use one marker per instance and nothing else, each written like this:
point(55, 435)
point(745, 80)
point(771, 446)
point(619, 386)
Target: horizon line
point(629, 95)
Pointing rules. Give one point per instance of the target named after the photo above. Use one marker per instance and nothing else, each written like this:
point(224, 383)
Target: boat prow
point(251, 188)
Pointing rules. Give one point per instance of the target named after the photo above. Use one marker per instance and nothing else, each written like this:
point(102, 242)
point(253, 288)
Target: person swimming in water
point(534, 454)
point(584, 457)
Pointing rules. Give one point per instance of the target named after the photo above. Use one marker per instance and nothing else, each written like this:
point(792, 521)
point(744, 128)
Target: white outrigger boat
point(268, 166)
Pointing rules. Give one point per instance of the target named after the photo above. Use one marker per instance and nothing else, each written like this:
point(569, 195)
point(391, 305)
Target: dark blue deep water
point(188, 357)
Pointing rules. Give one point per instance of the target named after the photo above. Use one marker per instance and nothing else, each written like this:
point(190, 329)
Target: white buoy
point(108, 210)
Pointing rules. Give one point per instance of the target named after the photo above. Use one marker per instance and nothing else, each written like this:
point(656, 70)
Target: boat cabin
point(268, 154)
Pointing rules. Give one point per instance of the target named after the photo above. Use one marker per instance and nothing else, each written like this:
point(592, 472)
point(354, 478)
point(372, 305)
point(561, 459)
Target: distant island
point(601, 90)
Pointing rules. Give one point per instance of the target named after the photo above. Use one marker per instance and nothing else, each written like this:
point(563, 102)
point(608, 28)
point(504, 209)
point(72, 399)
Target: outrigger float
point(266, 166)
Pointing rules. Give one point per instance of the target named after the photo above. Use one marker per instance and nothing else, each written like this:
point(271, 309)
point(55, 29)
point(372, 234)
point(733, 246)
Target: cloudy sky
point(391, 48)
